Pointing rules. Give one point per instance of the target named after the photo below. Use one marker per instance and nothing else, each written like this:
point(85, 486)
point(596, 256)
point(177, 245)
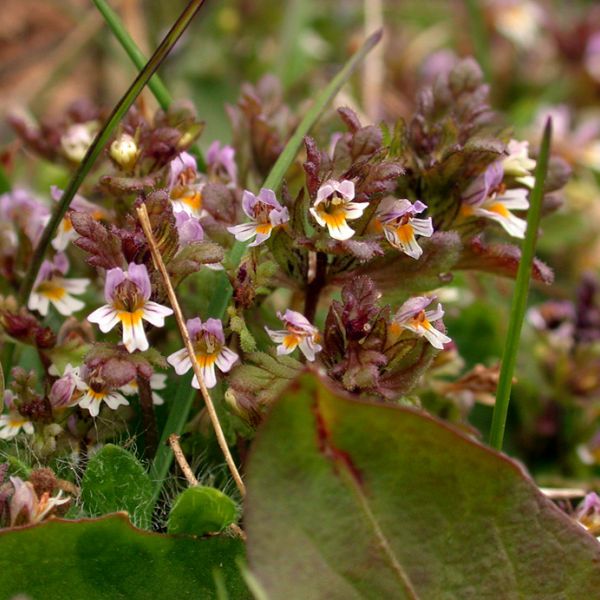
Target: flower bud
point(77, 139)
point(124, 151)
point(22, 503)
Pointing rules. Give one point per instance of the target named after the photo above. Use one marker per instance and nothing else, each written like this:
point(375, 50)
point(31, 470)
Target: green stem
point(479, 36)
point(157, 87)
point(4, 181)
point(178, 416)
point(100, 141)
point(519, 302)
point(222, 294)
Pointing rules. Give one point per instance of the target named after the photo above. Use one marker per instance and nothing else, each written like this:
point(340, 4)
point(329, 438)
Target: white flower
point(334, 206)
point(12, 423)
point(401, 227)
point(488, 197)
point(26, 508)
point(265, 213)
point(210, 350)
point(185, 185)
point(127, 294)
point(412, 316)
point(158, 381)
point(92, 397)
point(77, 139)
point(518, 20)
point(298, 333)
point(518, 164)
point(51, 287)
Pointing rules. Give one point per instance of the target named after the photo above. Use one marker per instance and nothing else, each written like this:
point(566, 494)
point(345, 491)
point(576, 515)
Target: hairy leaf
point(200, 510)
point(192, 257)
point(115, 480)
point(103, 246)
point(500, 259)
point(397, 275)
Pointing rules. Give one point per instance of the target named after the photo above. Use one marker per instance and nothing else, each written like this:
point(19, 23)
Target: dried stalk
point(181, 461)
point(563, 493)
point(210, 407)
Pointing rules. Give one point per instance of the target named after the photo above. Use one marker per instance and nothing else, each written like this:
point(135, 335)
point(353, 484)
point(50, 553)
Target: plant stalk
point(519, 301)
point(148, 417)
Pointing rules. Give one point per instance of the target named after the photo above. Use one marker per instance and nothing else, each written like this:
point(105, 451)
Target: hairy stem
point(314, 288)
point(148, 417)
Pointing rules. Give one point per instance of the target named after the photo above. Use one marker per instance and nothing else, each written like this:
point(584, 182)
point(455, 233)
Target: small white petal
point(243, 232)
point(355, 210)
point(226, 359)
point(134, 336)
point(155, 313)
point(106, 317)
point(67, 305)
point(180, 361)
point(114, 400)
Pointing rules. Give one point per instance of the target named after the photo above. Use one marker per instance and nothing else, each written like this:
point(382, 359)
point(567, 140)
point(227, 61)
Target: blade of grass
point(100, 141)
point(157, 87)
point(519, 301)
point(222, 295)
point(479, 36)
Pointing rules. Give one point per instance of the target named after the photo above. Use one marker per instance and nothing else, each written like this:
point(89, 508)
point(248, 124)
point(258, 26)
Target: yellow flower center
point(130, 319)
point(499, 208)
point(290, 341)
point(51, 289)
point(405, 233)
point(206, 360)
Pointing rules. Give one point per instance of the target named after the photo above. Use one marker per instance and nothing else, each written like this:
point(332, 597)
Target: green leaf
point(115, 480)
point(349, 499)
point(108, 559)
point(201, 510)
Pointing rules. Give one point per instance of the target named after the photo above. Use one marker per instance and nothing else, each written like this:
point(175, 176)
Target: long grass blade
point(519, 302)
point(100, 141)
point(157, 87)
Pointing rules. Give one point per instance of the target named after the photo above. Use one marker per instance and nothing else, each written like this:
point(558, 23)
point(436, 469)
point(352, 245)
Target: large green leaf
point(108, 559)
point(115, 480)
point(348, 499)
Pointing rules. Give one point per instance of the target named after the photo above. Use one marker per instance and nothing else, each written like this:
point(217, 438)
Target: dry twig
point(181, 460)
